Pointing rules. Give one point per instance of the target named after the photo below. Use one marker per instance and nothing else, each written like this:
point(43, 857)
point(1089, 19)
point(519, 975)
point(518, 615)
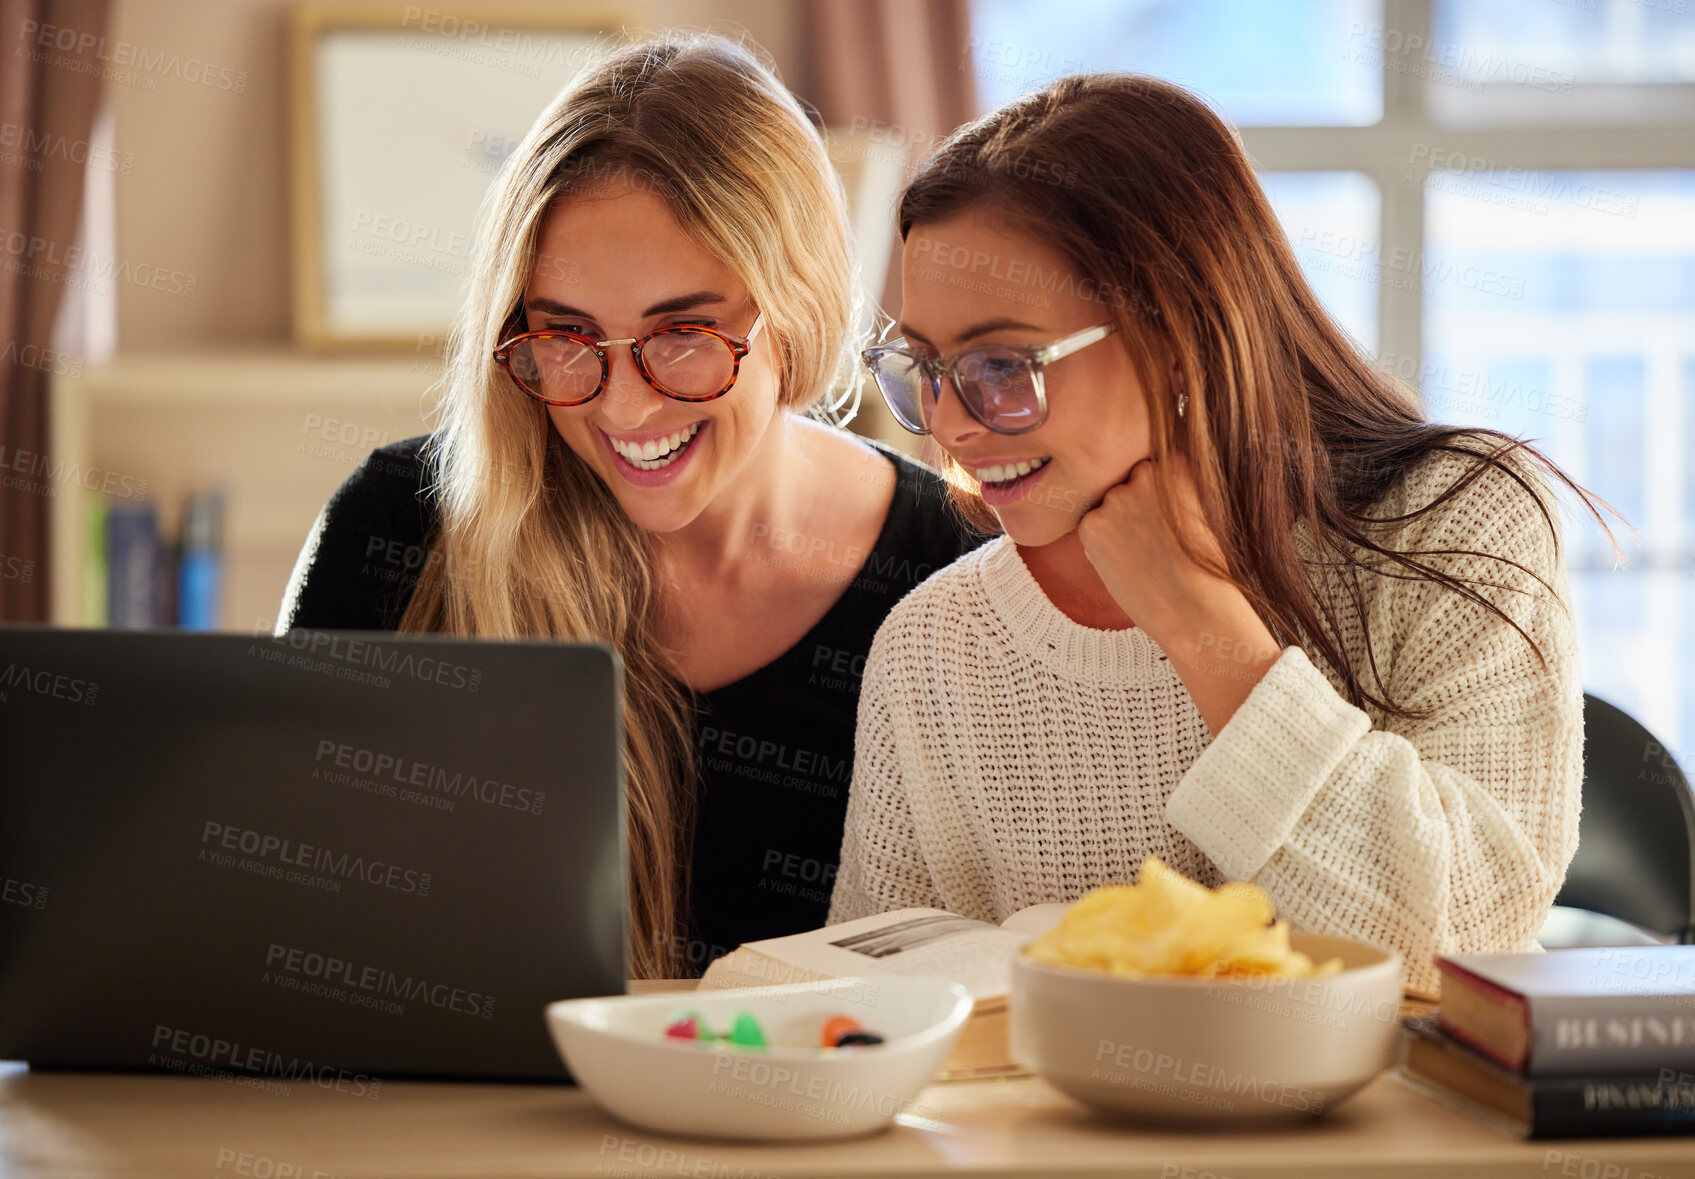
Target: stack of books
point(1585, 1043)
point(136, 576)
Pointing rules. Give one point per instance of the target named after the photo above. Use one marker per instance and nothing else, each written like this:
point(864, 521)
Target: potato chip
point(1166, 924)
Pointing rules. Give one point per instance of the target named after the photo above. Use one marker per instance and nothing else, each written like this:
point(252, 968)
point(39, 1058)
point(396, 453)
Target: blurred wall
point(207, 191)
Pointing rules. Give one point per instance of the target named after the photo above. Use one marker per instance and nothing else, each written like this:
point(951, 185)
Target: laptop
point(324, 857)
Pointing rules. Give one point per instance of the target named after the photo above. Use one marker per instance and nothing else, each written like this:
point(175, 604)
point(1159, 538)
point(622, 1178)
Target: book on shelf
point(137, 576)
point(165, 558)
point(200, 563)
point(94, 581)
point(132, 565)
point(1576, 1012)
point(906, 942)
point(1652, 1100)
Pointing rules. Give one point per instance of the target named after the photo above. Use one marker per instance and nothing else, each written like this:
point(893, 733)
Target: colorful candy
point(843, 1031)
point(838, 1026)
point(746, 1032)
point(686, 1026)
point(839, 1031)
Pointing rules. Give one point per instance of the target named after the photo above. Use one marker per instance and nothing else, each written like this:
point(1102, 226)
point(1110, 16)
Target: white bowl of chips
point(1168, 1001)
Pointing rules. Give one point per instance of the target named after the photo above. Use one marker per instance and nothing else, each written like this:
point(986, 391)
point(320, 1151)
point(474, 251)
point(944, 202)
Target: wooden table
point(60, 1125)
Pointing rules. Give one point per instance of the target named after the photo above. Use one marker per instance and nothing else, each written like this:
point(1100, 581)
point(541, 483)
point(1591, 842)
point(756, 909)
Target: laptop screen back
point(311, 858)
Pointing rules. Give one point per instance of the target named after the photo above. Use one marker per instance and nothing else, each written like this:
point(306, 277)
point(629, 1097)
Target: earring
point(1182, 404)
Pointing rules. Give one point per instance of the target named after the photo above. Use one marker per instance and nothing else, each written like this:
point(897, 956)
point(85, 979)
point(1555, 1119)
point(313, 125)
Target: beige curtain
point(51, 56)
point(901, 66)
point(892, 63)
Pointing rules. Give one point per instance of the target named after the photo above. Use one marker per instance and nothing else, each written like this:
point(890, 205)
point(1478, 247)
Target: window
point(1331, 219)
point(1589, 353)
point(1261, 64)
point(1530, 161)
point(1563, 61)
point(1582, 41)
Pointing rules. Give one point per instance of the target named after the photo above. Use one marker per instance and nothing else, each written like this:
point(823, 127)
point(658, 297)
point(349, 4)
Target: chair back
point(1636, 841)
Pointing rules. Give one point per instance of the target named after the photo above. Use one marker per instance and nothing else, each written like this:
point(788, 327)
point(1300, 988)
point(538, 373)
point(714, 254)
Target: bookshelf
point(278, 429)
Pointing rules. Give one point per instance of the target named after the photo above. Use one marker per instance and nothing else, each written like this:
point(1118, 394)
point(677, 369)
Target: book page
point(907, 942)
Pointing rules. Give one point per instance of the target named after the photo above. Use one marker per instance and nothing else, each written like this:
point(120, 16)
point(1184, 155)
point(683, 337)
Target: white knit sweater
point(1007, 755)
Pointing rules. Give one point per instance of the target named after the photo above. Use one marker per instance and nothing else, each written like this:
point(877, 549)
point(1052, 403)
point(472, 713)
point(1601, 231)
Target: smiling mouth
point(658, 452)
point(1007, 473)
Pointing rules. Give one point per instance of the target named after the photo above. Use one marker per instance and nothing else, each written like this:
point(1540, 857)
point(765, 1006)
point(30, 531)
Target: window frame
point(1581, 141)
point(1386, 152)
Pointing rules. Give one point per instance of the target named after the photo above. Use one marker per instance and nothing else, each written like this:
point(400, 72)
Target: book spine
point(165, 583)
point(1607, 1108)
point(200, 575)
point(132, 555)
point(1587, 1036)
point(95, 590)
point(202, 567)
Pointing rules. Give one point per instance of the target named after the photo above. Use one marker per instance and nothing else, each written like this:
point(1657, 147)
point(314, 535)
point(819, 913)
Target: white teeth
point(656, 452)
point(1004, 472)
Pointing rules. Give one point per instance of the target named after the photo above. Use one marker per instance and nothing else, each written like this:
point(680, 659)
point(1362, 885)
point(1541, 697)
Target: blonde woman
point(663, 287)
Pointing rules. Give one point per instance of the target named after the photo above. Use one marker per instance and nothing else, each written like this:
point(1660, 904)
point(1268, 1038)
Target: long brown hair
point(530, 541)
point(1151, 197)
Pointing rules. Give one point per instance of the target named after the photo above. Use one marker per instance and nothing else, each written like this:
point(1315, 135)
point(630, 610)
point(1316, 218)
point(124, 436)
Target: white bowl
point(1193, 1050)
point(617, 1051)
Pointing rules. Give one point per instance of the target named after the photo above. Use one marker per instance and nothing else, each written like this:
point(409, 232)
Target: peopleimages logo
point(1195, 1081)
point(51, 473)
point(173, 1045)
point(46, 683)
point(116, 52)
point(338, 972)
point(360, 659)
point(754, 750)
point(286, 852)
point(23, 893)
point(401, 771)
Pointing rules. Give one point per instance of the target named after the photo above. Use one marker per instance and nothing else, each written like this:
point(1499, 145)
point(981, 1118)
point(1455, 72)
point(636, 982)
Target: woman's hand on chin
point(1203, 622)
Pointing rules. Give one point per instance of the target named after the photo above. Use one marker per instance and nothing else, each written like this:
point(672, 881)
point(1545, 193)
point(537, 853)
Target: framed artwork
point(402, 114)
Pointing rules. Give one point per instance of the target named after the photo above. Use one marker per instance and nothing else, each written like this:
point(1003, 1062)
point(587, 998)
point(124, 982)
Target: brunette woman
point(1252, 612)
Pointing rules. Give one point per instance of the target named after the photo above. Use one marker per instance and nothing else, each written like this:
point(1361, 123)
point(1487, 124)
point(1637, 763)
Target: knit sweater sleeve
point(882, 865)
point(1440, 835)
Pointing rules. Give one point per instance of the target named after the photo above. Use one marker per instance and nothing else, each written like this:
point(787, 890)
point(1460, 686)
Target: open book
point(974, 954)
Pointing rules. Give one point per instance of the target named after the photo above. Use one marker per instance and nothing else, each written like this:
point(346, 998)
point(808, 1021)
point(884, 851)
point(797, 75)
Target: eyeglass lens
point(683, 363)
point(1000, 389)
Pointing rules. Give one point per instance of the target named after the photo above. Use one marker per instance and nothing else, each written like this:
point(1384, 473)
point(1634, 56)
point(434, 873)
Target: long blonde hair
point(531, 543)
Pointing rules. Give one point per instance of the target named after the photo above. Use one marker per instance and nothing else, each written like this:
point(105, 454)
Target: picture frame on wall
point(401, 116)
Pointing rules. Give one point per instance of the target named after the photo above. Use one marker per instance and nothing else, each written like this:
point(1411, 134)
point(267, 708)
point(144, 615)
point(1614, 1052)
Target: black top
point(775, 748)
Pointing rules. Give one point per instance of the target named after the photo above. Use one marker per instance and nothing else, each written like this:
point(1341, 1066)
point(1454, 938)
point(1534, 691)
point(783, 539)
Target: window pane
point(1689, 468)
point(1616, 436)
point(1332, 221)
point(1584, 340)
point(1261, 64)
point(1551, 43)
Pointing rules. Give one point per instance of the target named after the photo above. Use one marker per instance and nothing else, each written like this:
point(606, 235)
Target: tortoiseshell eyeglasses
point(684, 361)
